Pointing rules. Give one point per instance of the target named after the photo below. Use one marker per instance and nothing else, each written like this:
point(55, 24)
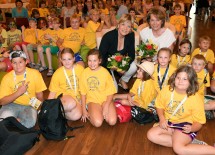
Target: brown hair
point(207, 38)
point(94, 52)
point(199, 57)
point(177, 6)
point(67, 50)
point(75, 16)
point(56, 20)
point(165, 49)
point(192, 78)
point(158, 13)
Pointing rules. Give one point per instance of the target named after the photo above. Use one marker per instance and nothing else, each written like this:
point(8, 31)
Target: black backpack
point(141, 116)
point(52, 121)
point(16, 139)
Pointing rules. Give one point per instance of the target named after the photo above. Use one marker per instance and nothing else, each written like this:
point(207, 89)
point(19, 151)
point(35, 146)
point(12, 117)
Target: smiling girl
point(97, 90)
point(65, 81)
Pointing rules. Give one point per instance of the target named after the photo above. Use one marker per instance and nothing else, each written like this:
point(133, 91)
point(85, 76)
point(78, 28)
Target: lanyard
point(74, 78)
point(180, 62)
point(200, 52)
point(160, 82)
point(24, 78)
point(140, 88)
point(179, 105)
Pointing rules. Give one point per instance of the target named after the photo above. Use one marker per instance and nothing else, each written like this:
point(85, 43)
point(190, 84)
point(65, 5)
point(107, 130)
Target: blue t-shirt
point(23, 14)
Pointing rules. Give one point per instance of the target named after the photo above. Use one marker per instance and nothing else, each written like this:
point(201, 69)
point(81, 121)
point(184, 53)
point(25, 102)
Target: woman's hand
point(163, 124)
point(85, 116)
point(187, 128)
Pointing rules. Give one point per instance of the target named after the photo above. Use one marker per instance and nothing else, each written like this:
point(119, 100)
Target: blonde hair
point(93, 11)
point(124, 18)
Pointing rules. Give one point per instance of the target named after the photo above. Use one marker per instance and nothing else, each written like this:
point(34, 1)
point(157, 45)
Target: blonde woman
point(120, 40)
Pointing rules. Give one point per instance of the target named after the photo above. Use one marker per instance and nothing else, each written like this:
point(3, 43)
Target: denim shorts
point(191, 134)
point(26, 114)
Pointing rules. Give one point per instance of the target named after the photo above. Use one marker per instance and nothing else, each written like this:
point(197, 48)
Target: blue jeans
point(27, 115)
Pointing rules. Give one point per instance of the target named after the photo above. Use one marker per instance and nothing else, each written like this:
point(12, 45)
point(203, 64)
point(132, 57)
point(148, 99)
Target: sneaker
point(209, 114)
point(196, 141)
point(43, 68)
point(50, 72)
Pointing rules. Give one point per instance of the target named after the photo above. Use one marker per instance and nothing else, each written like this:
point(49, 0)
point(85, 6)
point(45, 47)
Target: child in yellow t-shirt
point(181, 114)
point(198, 63)
point(92, 27)
point(30, 36)
point(51, 48)
point(19, 88)
point(44, 12)
point(163, 70)
point(73, 37)
point(66, 80)
point(142, 92)
point(43, 41)
point(182, 57)
point(15, 37)
point(179, 21)
point(3, 37)
point(97, 90)
point(204, 45)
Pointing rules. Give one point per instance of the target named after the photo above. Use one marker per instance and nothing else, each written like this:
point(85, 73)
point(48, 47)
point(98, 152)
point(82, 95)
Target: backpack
point(52, 120)
point(141, 116)
point(123, 112)
point(16, 139)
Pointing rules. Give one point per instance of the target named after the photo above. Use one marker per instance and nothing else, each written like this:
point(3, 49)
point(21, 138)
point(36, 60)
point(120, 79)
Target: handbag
point(141, 116)
point(123, 112)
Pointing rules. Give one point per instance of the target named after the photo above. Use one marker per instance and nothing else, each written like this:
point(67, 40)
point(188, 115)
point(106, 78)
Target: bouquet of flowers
point(145, 50)
point(118, 62)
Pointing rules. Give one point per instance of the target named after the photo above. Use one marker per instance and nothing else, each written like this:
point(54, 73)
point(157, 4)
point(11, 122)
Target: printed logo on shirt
point(93, 83)
point(172, 106)
point(71, 79)
point(74, 37)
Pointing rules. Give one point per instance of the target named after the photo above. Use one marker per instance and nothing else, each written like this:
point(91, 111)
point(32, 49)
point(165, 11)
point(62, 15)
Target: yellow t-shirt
point(5, 36)
point(41, 38)
point(201, 77)
point(9, 85)
point(14, 36)
point(177, 61)
point(171, 70)
point(105, 11)
point(90, 37)
point(60, 85)
point(191, 111)
point(44, 12)
point(144, 92)
point(73, 38)
point(30, 36)
point(177, 21)
point(56, 35)
point(96, 85)
point(209, 54)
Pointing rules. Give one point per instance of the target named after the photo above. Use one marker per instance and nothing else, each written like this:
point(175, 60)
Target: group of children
point(89, 93)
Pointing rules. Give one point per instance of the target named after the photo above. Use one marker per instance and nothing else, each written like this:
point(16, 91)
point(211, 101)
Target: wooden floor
point(123, 139)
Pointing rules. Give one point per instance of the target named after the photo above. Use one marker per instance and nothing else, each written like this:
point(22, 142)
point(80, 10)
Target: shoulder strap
point(13, 123)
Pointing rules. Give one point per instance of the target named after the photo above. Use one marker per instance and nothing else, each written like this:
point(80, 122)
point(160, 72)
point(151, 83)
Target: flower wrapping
point(146, 49)
point(118, 62)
